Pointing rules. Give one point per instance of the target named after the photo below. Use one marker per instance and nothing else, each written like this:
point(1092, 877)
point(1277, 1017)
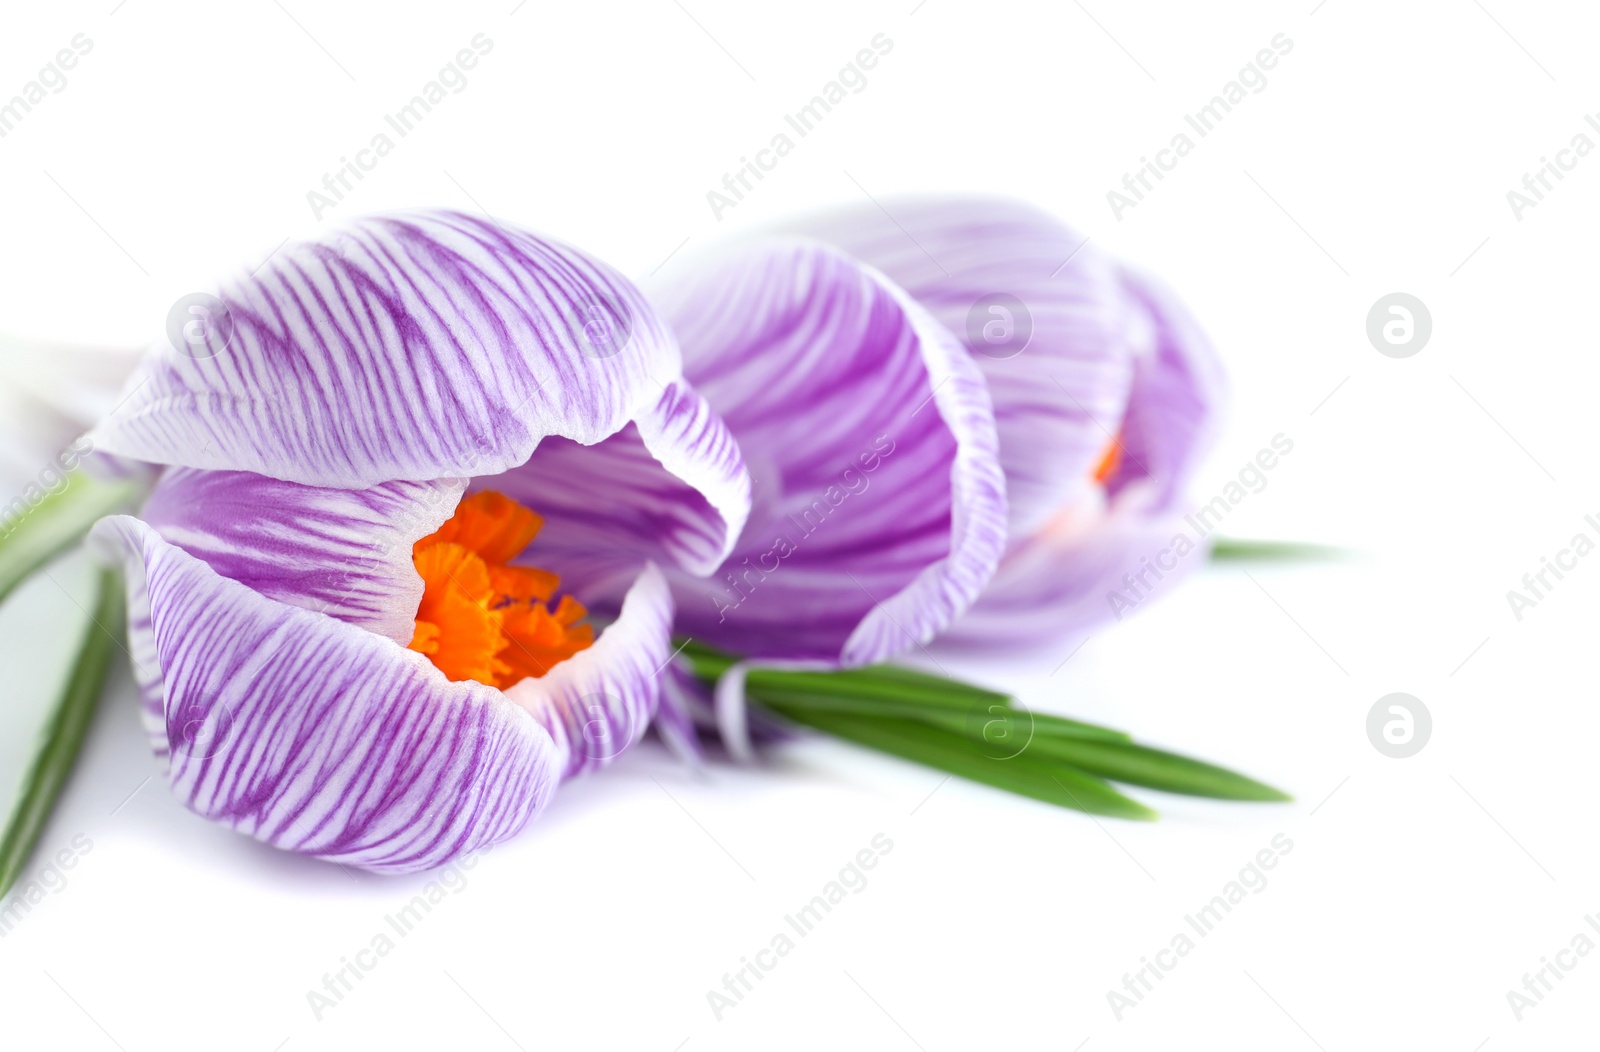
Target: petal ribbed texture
point(1078, 352)
point(410, 347)
point(1042, 312)
point(342, 552)
point(879, 505)
point(318, 736)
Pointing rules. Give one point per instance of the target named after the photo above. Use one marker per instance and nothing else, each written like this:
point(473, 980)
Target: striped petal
point(1044, 315)
point(344, 553)
point(878, 501)
point(598, 703)
point(318, 736)
point(670, 487)
point(412, 347)
point(1179, 388)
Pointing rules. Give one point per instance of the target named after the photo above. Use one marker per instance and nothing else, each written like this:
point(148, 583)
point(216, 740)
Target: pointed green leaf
point(944, 750)
point(1153, 768)
point(63, 736)
point(1230, 549)
point(991, 722)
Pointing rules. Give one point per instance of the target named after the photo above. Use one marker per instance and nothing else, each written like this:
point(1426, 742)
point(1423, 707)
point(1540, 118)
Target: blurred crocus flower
point(396, 467)
point(50, 394)
point(1106, 394)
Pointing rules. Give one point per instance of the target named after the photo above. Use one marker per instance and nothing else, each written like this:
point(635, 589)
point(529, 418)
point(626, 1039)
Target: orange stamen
point(1109, 461)
point(480, 618)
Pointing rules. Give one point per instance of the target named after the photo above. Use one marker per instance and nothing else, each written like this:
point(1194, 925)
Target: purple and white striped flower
point(878, 502)
point(364, 383)
point(1106, 394)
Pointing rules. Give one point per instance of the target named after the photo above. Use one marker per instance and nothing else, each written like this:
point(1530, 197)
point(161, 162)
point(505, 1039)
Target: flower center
point(479, 617)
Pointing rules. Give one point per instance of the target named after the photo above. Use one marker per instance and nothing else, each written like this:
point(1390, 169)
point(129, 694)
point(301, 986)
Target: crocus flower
point(1106, 394)
point(391, 473)
point(878, 502)
point(878, 505)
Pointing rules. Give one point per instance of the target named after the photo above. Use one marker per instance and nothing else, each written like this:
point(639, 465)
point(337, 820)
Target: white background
point(1377, 159)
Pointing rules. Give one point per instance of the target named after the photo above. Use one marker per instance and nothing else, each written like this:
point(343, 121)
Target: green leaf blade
point(55, 524)
point(947, 751)
point(970, 731)
point(1237, 549)
point(63, 735)
point(1155, 769)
